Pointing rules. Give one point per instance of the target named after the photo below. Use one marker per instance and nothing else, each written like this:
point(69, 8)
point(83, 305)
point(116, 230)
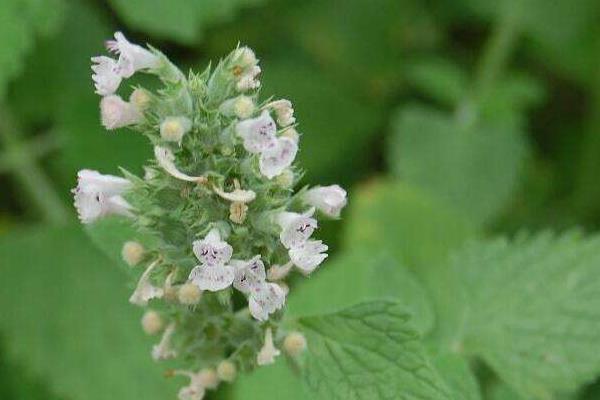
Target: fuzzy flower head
point(216, 209)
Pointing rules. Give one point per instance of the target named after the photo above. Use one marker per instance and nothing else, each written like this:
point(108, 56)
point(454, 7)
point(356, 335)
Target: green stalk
point(31, 178)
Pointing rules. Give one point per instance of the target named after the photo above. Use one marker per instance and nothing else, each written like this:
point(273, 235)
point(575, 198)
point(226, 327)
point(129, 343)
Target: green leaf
point(66, 317)
point(368, 351)
point(180, 20)
point(20, 22)
point(458, 374)
point(359, 276)
point(439, 79)
point(473, 168)
point(336, 126)
point(530, 309)
point(403, 220)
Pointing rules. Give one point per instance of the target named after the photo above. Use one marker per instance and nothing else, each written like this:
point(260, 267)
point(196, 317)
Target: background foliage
point(453, 124)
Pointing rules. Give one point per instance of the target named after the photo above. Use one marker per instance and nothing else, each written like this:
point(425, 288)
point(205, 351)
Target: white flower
point(98, 195)
point(172, 129)
point(166, 159)
point(296, 228)
point(238, 195)
point(132, 57)
point(257, 133)
point(328, 199)
point(275, 159)
point(195, 390)
point(212, 274)
point(284, 112)
point(241, 107)
point(268, 352)
point(117, 113)
point(279, 272)
point(308, 255)
point(264, 298)
point(245, 57)
point(163, 349)
point(247, 80)
point(106, 75)
point(145, 290)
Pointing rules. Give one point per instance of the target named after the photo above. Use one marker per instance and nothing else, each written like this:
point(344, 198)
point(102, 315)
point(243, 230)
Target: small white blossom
point(328, 199)
point(145, 290)
point(257, 133)
point(237, 195)
point(264, 298)
point(279, 272)
point(212, 274)
point(245, 57)
point(241, 107)
point(195, 390)
point(172, 128)
point(268, 352)
point(166, 159)
point(275, 159)
point(247, 80)
point(98, 195)
point(308, 255)
point(163, 349)
point(284, 112)
point(132, 57)
point(105, 75)
point(296, 228)
point(118, 113)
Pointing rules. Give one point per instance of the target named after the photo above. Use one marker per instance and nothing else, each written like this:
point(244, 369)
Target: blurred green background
point(489, 110)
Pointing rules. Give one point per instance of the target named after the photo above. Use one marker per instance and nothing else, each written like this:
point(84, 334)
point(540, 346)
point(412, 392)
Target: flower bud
point(328, 199)
point(172, 129)
point(245, 57)
point(140, 98)
point(285, 179)
point(237, 212)
point(132, 253)
point(294, 344)
point(226, 371)
point(241, 107)
point(208, 378)
point(268, 352)
point(189, 294)
point(152, 323)
point(291, 133)
point(117, 113)
point(284, 111)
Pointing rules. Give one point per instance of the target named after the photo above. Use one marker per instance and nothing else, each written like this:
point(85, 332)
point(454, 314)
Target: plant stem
point(30, 176)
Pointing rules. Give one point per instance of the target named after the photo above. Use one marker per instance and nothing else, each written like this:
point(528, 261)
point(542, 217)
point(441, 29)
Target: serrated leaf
point(530, 309)
point(473, 168)
point(412, 226)
point(458, 375)
point(65, 315)
point(20, 22)
point(363, 275)
point(368, 351)
point(180, 20)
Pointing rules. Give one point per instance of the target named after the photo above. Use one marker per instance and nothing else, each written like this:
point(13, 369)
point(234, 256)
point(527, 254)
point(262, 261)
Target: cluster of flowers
point(219, 191)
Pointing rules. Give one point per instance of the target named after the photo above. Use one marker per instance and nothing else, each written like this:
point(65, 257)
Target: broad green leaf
point(336, 126)
point(412, 226)
point(65, 316)
point(362, 275)
point(368, 351)
point(530, 309)
point(473, 168)
point(180, 20)
point(277, 381)
point(458, 375)
point(20, 22)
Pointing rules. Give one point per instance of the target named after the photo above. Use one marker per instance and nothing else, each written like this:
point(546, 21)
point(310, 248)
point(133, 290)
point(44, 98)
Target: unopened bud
point(226, 371)
point(241, 107)
point(245, 57)
point(294, 344)
point(285, 179)
point(291, 133)
point(172, 129)
point(140, 98)
point(189, 294)
point(237, 212)
point(208, 378)
point(132, 253)
point(152, 323)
